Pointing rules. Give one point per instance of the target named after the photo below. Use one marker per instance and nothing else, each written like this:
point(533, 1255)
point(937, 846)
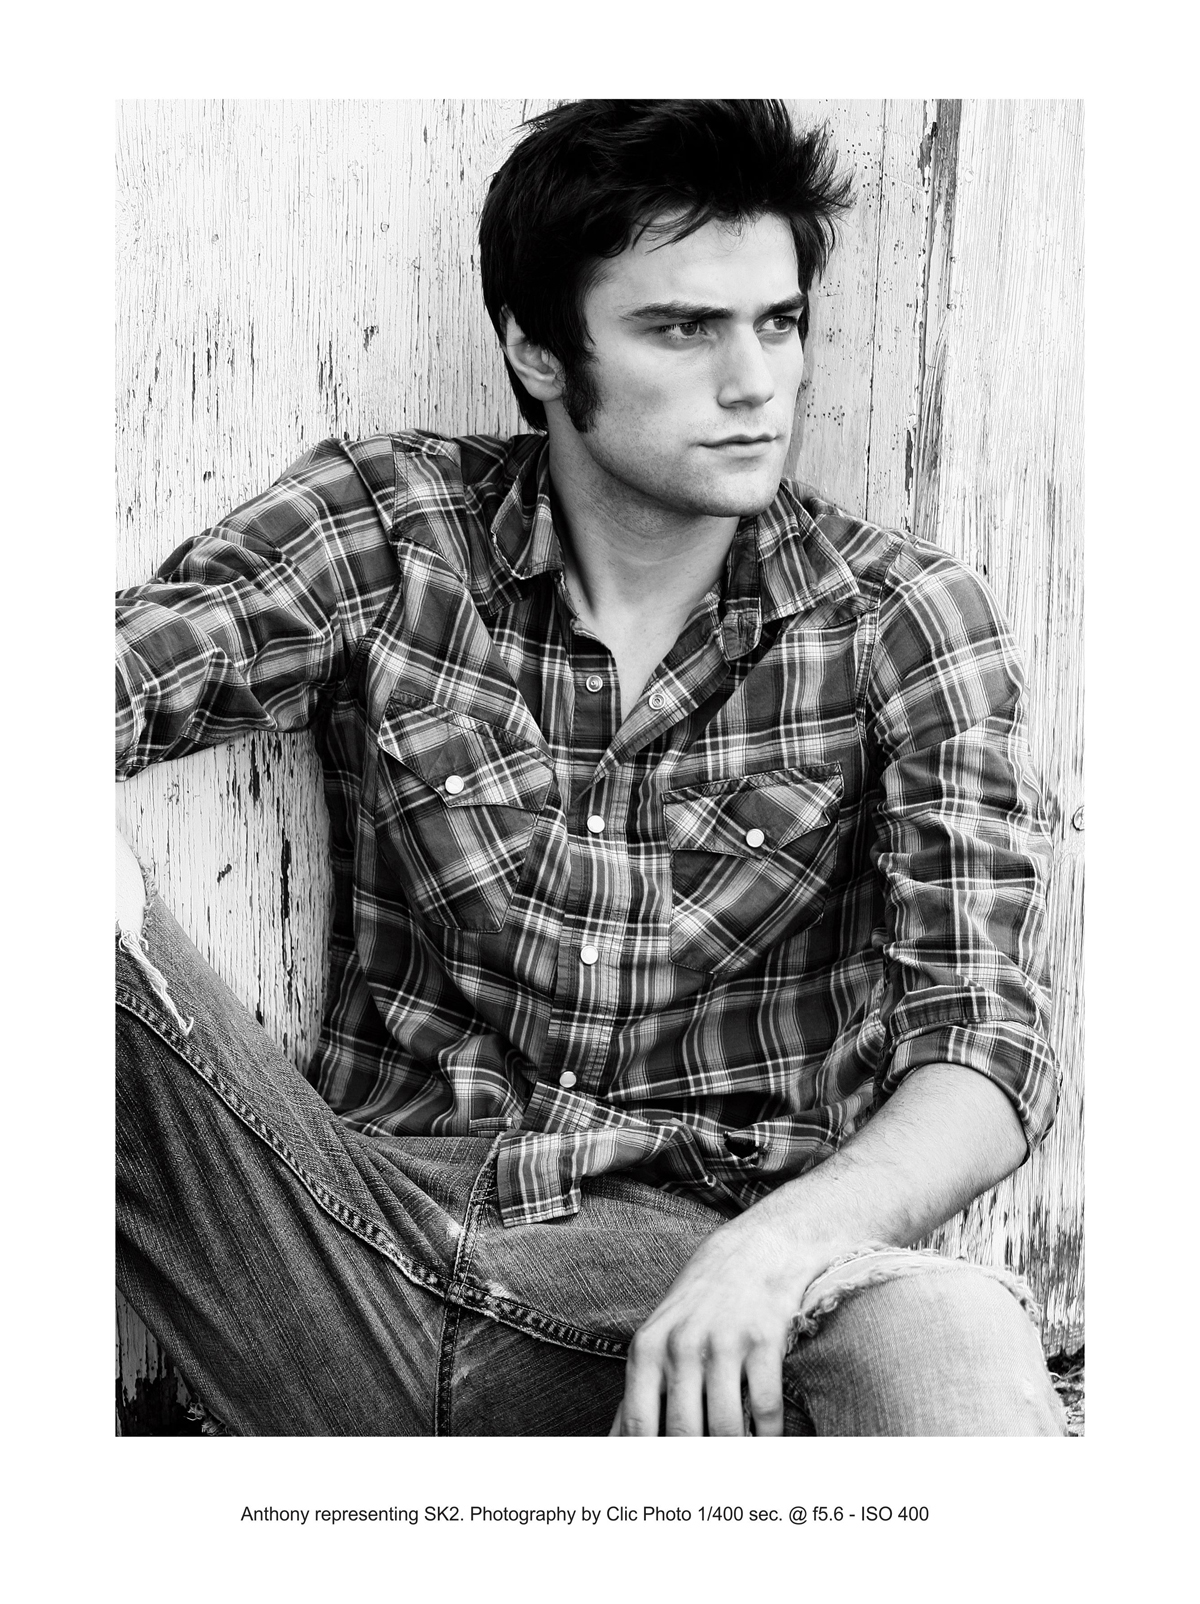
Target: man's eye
point(784, 323)
point(682, 331)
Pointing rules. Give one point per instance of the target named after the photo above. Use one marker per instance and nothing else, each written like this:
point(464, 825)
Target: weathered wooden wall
point(290, 270)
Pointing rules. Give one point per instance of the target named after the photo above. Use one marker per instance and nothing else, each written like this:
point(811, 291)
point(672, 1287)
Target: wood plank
point(831, 447)
point(905, 211)
point(152, 1400)
point(1000, 483)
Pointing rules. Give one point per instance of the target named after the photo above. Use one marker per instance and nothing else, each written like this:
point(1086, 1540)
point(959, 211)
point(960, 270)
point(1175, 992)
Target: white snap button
point(453, 783)
point(595, 824)
point(755, 838)
point(658, 701)
point(566, 1079)
point(588, 954)
point(594, 682)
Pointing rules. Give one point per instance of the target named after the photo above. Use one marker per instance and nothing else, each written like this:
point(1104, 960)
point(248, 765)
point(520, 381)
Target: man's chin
point(744, 499)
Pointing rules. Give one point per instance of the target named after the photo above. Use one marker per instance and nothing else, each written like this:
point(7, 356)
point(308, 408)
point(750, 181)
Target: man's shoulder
point(415, 464)
point(440, 495)
point(891, 567)
point(480, 467)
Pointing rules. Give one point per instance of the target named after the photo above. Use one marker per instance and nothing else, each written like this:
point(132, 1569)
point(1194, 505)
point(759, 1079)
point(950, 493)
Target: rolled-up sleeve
point(961, 841)
point(244, 625)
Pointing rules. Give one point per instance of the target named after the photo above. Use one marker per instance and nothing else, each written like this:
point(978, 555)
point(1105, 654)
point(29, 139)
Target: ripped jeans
point(309, 1280)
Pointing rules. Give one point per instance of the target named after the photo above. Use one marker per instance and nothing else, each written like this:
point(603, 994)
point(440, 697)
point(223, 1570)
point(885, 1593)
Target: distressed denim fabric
point(891, 1342)
point(310, 1279)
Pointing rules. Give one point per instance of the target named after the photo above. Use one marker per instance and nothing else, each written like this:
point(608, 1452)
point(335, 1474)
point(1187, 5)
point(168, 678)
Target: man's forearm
point(944, 1136)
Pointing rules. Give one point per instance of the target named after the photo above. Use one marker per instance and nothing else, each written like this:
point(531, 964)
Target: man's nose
point(746, 378)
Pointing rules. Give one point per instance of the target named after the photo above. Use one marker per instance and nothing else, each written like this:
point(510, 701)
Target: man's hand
point(724, 1320)
point(944, 1136)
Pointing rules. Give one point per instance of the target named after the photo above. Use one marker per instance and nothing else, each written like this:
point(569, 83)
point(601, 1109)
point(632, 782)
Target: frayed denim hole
point(812, 1312)
point(139, 950)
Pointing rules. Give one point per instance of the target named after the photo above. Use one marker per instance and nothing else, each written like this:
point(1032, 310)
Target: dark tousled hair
point(590, 175)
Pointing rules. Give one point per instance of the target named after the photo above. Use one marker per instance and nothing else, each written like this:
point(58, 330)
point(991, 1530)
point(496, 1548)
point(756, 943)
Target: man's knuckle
point(683, 1346)
point(645, 1347)
point(764, 1344)
point(725, 1345)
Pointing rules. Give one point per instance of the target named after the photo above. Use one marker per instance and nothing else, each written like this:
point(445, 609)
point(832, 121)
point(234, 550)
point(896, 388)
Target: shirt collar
point(524, 542)
point(779, 564)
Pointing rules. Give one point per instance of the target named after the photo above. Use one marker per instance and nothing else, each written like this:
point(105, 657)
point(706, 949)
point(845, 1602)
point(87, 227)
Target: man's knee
point(933, 1348)
point(131, 889)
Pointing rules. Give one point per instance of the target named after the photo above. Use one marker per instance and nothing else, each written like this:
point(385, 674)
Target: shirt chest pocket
point(750, 862)
point(454, 813)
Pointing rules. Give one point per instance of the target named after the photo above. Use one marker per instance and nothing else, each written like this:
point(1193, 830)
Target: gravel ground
point(1066, 1372)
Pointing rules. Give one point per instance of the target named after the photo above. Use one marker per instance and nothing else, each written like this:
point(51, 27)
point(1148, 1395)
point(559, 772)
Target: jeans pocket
point(750, 862)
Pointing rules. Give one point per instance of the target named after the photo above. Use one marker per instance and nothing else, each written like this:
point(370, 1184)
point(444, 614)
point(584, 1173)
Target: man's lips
point(742, 440)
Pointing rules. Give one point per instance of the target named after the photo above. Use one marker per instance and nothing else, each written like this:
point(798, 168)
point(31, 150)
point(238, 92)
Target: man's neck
point(623, 551)
point(634, 570)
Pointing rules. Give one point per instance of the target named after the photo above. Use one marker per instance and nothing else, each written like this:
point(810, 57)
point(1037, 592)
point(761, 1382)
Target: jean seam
point(460, 1272)
point(466, 1293)
point(443, 1401)
point(337, 1207)
point(525, 1317)
point(443, 1417)
point(534, 1323)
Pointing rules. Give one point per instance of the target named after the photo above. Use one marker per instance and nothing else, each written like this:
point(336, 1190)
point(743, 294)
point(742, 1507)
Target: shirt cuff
point(1014, 1056)
point(126, 724)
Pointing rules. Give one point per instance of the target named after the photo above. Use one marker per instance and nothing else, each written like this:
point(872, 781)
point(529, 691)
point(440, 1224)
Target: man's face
point(697, 362)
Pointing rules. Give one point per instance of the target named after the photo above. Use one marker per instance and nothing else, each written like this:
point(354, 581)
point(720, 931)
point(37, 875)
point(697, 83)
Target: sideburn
point(580, 394)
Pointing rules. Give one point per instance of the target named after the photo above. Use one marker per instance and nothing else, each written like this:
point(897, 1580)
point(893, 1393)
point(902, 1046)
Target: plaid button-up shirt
point(699, 937)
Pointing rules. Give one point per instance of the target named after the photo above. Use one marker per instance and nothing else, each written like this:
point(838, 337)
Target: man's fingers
point(723, 1397)
point(640, 1407)
point(685, 1397)
point(695, 1383)
point(764, 1382)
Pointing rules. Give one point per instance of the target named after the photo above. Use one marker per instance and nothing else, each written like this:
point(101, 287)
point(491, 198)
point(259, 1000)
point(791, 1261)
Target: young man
point(687, 953)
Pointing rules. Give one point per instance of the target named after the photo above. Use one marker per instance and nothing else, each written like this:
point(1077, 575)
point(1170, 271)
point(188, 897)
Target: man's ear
point(539, 371)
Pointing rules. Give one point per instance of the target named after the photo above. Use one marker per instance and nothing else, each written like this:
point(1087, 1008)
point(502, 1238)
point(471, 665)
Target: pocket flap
point(467, 765)
point(725, 815)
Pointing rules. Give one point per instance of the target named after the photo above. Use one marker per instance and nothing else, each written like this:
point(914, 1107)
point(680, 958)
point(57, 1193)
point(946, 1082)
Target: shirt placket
point(592, 936)
point(603, 756)
point(595, 940)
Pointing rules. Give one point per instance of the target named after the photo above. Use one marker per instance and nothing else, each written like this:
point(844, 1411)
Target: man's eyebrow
point(697, 312)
